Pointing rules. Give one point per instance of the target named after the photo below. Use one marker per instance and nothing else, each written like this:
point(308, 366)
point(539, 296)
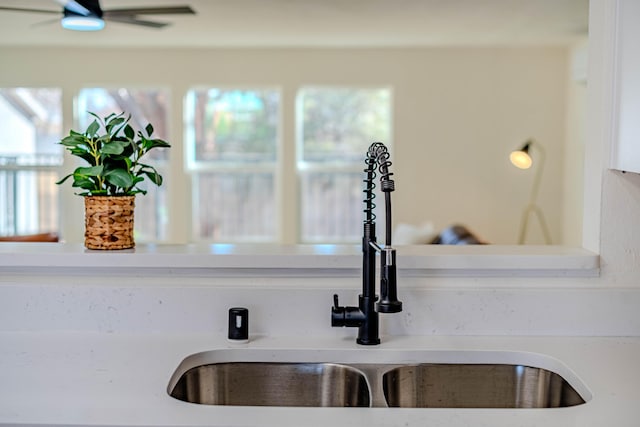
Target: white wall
point(620, 229)
point(458, 112)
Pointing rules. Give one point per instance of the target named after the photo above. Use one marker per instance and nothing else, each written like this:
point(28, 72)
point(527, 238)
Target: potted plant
point(113, 150)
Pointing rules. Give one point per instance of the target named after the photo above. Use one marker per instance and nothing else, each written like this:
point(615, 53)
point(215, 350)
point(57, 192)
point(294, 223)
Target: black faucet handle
point(337, 313)
point(345, 316)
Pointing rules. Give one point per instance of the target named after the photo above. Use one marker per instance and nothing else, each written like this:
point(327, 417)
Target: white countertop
point(92, 338)
point(117, 379)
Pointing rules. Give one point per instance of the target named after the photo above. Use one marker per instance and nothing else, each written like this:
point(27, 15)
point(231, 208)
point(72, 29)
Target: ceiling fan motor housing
point(93, 6)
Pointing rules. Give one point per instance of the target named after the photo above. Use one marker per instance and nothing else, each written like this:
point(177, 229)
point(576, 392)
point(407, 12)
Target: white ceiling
point(331, 23)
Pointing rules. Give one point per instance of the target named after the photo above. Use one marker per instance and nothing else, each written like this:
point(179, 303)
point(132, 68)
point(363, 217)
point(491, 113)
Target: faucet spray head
point(389, 302)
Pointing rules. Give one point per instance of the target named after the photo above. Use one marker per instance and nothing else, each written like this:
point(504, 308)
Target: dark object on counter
point(238, 324)
point(456, 235)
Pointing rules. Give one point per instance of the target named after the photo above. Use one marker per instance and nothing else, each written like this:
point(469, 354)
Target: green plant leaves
point(114, 147)
point(114, 156)
point(113, 123)
point(129, 132)
point(92, 130)
point(73, 139)
point(151, 173)
point(148, 144)
point(119, 178)
point(91, 171)
point(86, 177)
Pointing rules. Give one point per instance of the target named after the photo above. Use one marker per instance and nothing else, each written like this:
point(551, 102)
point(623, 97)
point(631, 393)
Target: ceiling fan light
point(82, 23)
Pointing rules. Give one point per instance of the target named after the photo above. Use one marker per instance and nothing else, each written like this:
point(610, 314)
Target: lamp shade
point(521, 158)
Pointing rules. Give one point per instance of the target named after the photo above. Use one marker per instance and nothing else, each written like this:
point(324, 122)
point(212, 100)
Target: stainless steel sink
point(392, 378)
point(477, 386)
point(273, 384)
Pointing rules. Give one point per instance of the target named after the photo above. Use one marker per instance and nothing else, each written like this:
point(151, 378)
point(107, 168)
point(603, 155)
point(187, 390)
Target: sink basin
point(477, 386)
point(372, 378)
point(273, 384)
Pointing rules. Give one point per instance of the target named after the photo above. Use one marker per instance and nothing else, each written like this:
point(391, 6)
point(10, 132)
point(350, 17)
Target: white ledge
point(222, 259)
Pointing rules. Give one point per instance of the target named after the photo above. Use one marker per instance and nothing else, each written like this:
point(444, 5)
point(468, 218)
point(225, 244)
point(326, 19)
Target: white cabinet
point(625, 153)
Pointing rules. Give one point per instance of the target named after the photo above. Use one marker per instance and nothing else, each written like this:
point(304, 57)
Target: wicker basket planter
point(109, 222)
point(113, 150)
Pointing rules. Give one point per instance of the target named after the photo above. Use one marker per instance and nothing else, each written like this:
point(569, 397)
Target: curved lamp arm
point(532, 207)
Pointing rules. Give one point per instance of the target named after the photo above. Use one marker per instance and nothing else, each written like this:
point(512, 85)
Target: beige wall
point(458, 112)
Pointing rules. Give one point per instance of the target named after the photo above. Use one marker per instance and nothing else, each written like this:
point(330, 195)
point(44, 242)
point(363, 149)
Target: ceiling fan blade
point(123, 15)
point(19, 9)
point(170, 10)
point(123, 19)
point(47, 22)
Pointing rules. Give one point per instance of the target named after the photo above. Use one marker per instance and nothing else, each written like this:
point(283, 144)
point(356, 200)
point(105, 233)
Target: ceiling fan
point(87, 15)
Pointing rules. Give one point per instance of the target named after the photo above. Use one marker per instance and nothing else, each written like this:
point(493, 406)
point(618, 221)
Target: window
point(145, 106)
point(232, 161)
point(232, 142)
point(335, 128)
point(30, 124)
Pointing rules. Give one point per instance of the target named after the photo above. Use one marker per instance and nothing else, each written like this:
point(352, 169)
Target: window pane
point(30, 127)
point(145, 106)
point(235, 206)
point(331, 207)
point(233, 125)
point(336, 126)
point(339, 124)
point(232, 142)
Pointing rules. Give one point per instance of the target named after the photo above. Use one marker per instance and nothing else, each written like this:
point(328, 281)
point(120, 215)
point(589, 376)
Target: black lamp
point(523, 160)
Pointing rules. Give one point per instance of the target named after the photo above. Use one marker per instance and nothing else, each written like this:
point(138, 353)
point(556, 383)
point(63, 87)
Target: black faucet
point(365, 316)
